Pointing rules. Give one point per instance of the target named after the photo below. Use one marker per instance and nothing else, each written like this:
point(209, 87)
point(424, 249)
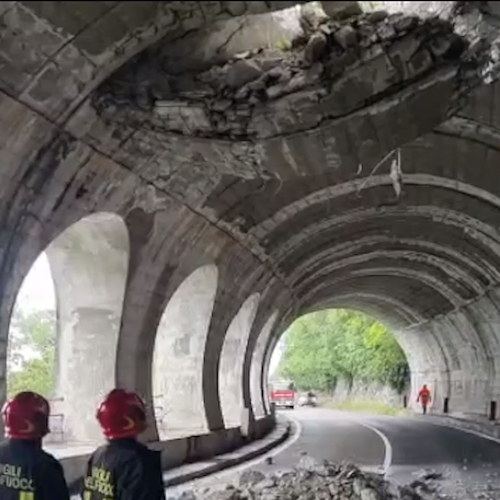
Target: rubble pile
point(312, 480)
point(332, 68)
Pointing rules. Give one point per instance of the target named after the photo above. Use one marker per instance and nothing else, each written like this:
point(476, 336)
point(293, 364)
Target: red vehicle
point(283, 394)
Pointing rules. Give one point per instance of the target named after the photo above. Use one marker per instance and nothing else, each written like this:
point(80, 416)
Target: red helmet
point(122, 414)
point(26, 416)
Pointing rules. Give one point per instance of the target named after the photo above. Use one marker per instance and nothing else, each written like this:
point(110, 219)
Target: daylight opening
point(340, 359)
point(178, 356)
point(65, 324)
point(32, 337)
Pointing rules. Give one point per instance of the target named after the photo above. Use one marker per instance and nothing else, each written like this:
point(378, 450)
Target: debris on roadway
point(313, 480)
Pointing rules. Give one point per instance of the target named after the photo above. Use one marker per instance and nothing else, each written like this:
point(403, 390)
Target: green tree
point(31, 352)
point(324, 347)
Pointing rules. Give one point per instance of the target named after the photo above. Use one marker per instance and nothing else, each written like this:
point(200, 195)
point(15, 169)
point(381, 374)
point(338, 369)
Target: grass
point(364, 406)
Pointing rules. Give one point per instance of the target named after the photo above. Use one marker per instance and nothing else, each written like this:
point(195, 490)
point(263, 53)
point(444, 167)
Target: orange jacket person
point(424, 396)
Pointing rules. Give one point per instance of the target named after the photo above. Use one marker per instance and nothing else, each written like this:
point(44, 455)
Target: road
point(399, 447)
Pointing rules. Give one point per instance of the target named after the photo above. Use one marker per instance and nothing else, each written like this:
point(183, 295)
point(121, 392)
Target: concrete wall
point(179, 451)
point(457, 355)
point(89, 263)
point(178, 356)
point(231, 362)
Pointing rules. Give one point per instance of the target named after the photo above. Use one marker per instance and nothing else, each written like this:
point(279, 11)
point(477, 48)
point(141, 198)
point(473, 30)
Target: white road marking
point(387, 445)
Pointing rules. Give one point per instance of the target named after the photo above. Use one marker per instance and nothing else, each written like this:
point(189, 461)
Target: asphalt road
point(400, 447)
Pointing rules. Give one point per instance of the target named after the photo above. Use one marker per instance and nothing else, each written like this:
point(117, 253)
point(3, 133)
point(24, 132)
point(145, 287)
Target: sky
point(37, 291)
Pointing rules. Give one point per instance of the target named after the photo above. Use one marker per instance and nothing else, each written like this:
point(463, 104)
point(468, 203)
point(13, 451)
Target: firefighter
point(424, 396)
point(26, 471)
point(123, 469)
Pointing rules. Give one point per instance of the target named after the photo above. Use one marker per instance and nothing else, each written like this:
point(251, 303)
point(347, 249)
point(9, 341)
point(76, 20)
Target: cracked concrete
point(300, 158)
point(258, 93)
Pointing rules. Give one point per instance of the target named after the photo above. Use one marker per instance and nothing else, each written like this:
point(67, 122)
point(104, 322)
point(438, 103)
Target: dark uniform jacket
point(28, 473)
point(124, 469)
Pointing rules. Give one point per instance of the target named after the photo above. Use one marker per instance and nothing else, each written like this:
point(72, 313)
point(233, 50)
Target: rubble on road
point(312, 480)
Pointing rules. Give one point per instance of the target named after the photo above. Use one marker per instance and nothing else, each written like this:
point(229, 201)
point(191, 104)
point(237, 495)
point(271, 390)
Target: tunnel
point(201, 174)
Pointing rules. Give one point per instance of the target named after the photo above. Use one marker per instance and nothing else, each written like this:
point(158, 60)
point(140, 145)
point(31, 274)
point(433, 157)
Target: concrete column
point(273, 341)
point(89, 263)
point(257, 367)
point(231, 362)
point(178, 356)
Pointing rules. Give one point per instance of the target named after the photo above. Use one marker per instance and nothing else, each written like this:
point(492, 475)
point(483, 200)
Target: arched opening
point(257, 381)
point(347, 358)
point(85, 272)
point(178, 356)
point(32, 338)
point(231, 362)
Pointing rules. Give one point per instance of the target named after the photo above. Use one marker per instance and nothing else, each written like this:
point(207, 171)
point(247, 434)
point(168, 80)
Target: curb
point(197, 470)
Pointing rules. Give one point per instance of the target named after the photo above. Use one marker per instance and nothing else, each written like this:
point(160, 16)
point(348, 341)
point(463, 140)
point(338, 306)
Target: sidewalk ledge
point(189, 472)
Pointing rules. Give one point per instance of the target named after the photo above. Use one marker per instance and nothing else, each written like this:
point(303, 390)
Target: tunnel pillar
point(86, 353)
point(89, 264)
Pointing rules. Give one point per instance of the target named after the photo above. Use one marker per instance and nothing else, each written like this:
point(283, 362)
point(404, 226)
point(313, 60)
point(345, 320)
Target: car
point(308, 399)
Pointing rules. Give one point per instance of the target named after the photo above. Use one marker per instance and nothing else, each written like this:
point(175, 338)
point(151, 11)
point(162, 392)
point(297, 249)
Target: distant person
point(26, 471)
point(123, 469)
point(424, 396)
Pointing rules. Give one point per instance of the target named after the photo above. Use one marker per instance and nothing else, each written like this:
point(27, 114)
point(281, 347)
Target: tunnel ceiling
point(355, 158)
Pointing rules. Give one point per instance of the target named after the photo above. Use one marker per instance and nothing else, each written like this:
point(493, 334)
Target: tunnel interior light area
point(178, 356)
point(342, 354)
point(89, 265)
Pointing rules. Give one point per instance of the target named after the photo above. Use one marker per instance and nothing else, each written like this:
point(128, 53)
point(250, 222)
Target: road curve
point(398, 446)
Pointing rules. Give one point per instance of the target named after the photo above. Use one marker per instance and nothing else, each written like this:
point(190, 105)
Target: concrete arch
point(346, 188)
point(178, 355)
point(257, 381)
point(89, 263)
point(231, 362)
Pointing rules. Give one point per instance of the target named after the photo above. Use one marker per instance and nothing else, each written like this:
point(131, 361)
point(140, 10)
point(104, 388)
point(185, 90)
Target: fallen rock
point(311, 17)
point(346, 37)
point(315, 48)
point(251, 477)
point(377, 16)
point(341, 10)
point(241, 72)
point(428, 475)
point(187, 495)
point(313, 480)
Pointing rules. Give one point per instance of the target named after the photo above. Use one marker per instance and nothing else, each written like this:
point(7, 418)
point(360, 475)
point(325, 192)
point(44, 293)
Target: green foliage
point(31, 352)
point(330, 345)
point(364, 405)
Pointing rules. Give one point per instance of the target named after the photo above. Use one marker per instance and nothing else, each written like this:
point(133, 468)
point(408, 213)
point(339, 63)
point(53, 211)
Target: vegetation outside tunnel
point(326, 347)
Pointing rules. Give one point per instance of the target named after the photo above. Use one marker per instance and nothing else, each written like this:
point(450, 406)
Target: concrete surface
point(336, 163)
